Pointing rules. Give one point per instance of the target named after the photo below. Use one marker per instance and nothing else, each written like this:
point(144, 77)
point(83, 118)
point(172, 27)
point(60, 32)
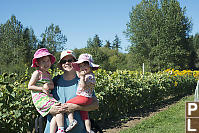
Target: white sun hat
point(64, 54)
point(82, 58)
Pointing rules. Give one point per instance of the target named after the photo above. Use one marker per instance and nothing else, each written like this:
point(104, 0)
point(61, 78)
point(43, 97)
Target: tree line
point(158, 30)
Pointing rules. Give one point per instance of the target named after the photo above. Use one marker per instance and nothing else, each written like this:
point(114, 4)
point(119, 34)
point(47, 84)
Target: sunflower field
point(119, 93)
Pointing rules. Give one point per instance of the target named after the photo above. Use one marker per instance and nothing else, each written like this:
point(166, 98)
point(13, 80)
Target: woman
point(65, 89)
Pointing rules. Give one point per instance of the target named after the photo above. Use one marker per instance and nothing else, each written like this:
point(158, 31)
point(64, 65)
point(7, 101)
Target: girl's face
point(66, 63)
point(84, 66)
point(44, 63)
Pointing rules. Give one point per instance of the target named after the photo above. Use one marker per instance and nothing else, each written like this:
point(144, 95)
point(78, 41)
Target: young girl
point(40, 84)
point(84, 67)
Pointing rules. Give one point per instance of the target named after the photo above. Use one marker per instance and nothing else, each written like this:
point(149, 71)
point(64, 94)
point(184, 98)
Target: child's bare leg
point(70, 117)
point(72, 122)
point(60, 122)
point(88, 125)
point(53, 125)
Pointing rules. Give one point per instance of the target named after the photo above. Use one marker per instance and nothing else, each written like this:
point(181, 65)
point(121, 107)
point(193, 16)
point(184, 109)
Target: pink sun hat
point(82, 58)
point(41, 53)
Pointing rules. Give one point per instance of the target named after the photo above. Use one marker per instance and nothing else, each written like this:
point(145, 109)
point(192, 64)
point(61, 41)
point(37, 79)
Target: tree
point(30, 43)
point(107, 44)
point(14, 46)
point(89, 43)
point(194, 44)
point(94, 43)
point(98, 55)
point(53, 39)
point(158, 32)
point(116, 43)
point(108, 59)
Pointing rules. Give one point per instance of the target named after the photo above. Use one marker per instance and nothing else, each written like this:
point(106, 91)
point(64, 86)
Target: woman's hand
point(56, 109)
point(69, 107)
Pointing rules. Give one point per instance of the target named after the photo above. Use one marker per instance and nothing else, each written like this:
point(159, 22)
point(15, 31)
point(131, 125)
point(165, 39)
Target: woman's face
point(66, 63)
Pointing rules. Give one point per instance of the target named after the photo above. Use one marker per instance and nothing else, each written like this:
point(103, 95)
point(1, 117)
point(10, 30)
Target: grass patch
point(171, 120)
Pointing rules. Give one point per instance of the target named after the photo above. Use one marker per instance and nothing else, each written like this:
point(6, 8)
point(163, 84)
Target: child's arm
point(82, 83)
point(32, 82)
point(50, 84)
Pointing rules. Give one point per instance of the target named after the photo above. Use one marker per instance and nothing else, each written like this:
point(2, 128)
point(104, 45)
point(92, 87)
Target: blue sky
point(82, 19)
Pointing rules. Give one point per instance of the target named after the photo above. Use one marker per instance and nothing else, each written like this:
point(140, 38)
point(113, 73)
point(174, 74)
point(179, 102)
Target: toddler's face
point(85, 67)
point(44, 63)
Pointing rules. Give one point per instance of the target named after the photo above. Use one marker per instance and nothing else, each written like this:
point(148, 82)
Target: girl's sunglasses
point(64, 61)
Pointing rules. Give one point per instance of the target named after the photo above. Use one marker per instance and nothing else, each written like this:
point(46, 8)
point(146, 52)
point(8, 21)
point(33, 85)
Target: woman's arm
point(66, 107)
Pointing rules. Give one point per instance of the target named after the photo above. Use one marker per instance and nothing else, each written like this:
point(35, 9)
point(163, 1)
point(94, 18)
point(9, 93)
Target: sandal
point(71, 125)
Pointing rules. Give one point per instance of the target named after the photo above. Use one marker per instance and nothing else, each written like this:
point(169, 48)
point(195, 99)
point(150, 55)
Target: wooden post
point(143, 69)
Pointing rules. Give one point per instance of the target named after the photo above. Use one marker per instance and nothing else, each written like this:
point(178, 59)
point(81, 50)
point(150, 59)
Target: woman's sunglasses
point(64, 61)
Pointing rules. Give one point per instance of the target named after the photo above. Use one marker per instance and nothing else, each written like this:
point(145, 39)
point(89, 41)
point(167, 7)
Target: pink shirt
point(90, 84)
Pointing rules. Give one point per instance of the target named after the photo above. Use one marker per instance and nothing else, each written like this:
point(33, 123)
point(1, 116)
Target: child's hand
point(46, 86)
point(46, 89)
point(82, 73)
point(46, 92)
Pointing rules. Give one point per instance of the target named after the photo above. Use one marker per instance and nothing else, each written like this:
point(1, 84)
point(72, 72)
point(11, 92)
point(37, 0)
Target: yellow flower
point(176, 83)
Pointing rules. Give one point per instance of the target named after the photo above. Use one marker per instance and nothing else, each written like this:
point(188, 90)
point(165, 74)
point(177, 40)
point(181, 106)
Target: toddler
point(40, 84)
point(84, 67)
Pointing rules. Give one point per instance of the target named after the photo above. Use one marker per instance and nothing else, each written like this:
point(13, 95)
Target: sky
point(80, 20)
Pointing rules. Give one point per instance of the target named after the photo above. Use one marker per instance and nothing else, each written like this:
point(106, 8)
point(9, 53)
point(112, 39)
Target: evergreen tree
point(30, 42)
point(116, 43)
point(89, 43)
point(94, 43)
point(107, 44)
